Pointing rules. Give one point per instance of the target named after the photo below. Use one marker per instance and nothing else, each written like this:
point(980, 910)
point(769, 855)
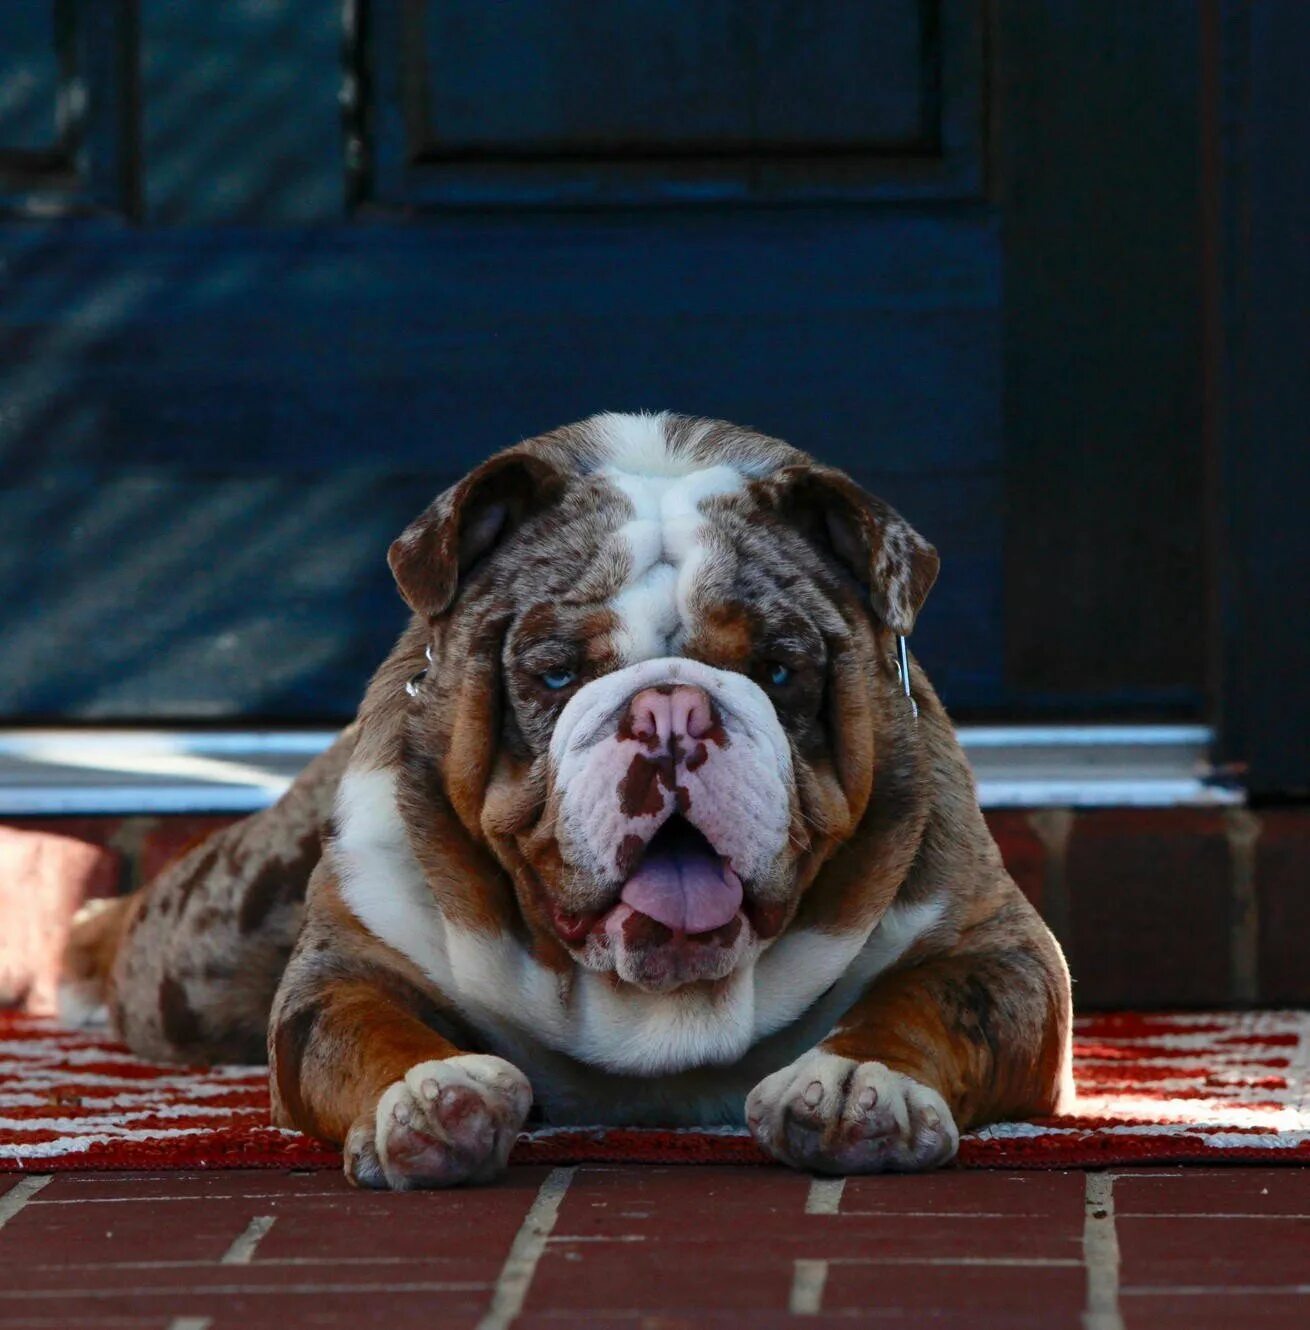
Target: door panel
point(1100, 192)
point(643, 76)
point(196, 412)
point(636, 101)
point(69, 106)
point(213, 422)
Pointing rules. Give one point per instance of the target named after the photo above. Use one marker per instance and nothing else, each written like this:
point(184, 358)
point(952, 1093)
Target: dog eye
point(779, 674)
point(558, 679)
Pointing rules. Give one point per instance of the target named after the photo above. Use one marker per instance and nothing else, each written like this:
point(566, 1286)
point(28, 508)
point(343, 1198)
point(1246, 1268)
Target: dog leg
point(927, 1052)
point(358, 1061)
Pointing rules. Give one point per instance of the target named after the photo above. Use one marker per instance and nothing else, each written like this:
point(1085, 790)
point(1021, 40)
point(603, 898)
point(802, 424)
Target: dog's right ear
point(465, 523)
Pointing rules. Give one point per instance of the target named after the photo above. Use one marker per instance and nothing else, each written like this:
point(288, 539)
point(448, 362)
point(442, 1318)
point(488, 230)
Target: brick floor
point(659, 1249)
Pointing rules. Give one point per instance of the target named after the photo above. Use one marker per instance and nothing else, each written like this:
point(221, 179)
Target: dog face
point(661, 652)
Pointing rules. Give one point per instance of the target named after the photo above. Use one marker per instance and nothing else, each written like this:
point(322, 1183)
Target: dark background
point(1033, 270)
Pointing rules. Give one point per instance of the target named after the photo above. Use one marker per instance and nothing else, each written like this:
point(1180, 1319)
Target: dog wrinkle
point(629, 852)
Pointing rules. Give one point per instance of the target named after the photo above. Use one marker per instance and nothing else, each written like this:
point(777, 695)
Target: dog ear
point(886, 555)
point(465, 523)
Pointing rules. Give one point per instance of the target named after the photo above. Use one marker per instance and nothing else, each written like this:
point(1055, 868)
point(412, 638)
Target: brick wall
point(1155, 907)
point(1170, 906)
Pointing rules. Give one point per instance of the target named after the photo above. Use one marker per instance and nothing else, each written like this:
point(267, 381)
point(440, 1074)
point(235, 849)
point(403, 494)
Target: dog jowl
point(636, 823)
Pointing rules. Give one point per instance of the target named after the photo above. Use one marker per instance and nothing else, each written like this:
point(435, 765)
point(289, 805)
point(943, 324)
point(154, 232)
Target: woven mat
point(1182, 1088)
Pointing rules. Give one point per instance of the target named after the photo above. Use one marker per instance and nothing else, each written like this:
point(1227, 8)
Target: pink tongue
point(686, 890)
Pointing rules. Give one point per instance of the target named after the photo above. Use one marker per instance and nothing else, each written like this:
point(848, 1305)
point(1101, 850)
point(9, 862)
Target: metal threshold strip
point(123, 773)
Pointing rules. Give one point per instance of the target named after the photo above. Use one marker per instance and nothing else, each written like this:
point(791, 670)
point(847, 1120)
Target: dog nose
point(678, 712)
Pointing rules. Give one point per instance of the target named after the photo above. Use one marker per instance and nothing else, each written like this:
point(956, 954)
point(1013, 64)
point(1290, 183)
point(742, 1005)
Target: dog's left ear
point(433, 553)
point(879, 547)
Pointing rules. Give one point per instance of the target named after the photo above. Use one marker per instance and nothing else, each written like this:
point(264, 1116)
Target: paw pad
point(834, 1115)
point(446, 1122)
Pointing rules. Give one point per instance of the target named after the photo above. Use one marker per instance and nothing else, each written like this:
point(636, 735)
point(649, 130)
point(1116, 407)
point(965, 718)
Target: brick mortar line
point(1215, 1290)
point(242, 1250)
point(1243, 828)
point(266, 1263)
point(18, 1196)
point(807, 1283)
point(1101, 1255)
point(184, 1197)
point(824, 1196)
point(1007, 1262)
point(317, 1289)
point(515, 1279)
point(128, 841)
point(1053, 827)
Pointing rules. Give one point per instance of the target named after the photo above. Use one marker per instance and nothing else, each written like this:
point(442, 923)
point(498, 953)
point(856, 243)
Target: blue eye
point(779, 674)
point(557, 679)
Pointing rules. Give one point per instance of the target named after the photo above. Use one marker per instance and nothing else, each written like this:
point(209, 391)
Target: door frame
point(1255, 107)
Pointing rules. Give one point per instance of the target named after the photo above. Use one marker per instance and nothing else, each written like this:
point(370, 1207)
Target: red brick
point(921, 1237)
point(1213, 1310)
point(685, 1239)
point(641, 1193)
point(195, 1229)
point(1220, 1252)
point(980, 1295)
point(704, 1319)
point(170, 838)
point(1022, 850)
point(1151, 908)
point(715, 1251)
point(338, 1303)
point(468, 1232)
point(44, 878)
point(1282, 884)
point(1055, 1196)
point(151, 1274)
point(461, 1234)
point(252, 1185)
point(915, 1238)
point(1214, 1191)
point(728, 1274)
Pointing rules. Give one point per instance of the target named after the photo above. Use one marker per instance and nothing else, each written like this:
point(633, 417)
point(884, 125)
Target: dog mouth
point(680, 882)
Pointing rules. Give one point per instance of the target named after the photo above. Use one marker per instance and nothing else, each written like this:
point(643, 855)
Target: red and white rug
point(1162, 1089)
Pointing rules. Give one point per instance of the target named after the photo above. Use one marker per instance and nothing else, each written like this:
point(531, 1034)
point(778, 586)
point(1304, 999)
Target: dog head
point(660, 668)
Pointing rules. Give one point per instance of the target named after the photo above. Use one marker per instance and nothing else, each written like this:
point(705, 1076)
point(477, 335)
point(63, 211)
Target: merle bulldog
point(647, 818)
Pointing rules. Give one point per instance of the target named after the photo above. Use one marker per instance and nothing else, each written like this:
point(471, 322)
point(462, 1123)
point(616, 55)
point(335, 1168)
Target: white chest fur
point(594, 1051)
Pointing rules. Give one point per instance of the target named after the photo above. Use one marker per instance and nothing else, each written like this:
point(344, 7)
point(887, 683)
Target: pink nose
point(680, 712)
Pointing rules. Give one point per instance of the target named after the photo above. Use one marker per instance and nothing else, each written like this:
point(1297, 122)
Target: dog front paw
point(831, 1114)
point(446, 1122)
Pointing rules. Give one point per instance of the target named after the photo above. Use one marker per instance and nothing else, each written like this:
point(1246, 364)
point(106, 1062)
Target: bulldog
point(648, 818)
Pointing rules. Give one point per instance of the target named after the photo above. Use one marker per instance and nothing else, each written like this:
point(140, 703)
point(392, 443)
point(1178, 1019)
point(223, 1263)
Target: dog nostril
point(645, 723)
point(700, 720)
point(667, 711)
point(695, 713)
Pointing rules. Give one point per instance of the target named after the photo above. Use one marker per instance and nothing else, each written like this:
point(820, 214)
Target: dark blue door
point(258, 303)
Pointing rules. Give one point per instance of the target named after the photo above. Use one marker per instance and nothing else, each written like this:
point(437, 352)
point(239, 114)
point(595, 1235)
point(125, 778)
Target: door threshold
point(90, 772)
point(1095, 766)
